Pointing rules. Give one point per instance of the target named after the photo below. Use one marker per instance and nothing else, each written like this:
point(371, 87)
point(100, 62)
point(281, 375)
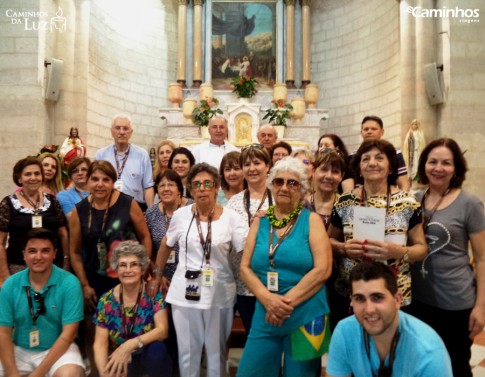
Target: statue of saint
point(414, 144)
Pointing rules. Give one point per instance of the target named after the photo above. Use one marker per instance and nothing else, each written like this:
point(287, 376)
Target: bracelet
point(157, 272)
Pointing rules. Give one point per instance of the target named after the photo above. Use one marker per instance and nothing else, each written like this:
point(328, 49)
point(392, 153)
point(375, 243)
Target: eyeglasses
point(291, 183)
point(280, 154)
point(207, 184)
point(250, 146)
point(80, 170)
point(39, 298)
point(131, 265)
point(167, 185)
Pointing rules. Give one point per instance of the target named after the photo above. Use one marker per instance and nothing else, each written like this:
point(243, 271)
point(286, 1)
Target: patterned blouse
point(404, 213)
point(108, 316)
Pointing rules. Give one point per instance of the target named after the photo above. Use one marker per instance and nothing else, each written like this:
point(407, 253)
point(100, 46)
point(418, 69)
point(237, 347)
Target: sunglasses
point(207, 184)
point(254, 145)
point(291, 183)
point(39, 298)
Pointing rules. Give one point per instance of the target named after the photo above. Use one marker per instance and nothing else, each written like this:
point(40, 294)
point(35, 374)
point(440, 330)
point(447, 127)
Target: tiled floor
point(477, 360)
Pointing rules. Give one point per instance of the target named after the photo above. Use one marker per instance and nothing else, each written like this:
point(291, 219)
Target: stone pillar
point(182, 35)
point(290, 43)
point(305, 20)
point(197, 43)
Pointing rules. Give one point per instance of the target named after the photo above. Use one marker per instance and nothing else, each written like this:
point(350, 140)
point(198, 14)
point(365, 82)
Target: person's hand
point(155, 285)
point(118, 361)
point(380, 250)
point(476, 321)
point(90, 299)
point(278, 308)
point(354, 249)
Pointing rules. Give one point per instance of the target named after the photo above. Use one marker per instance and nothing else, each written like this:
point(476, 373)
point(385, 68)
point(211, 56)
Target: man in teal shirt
point(44, 304)
point(381, 340)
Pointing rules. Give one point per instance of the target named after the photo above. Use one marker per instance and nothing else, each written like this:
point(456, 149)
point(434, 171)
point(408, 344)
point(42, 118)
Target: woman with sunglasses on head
point(25, 209)
point(78, 173)
point(255, 163)
point(307, 157)
point(130, 325)
point(232, 179)
point(181, 160)
point(286, 260)
point(203, 290)
point(447, 294)
point(398, 241)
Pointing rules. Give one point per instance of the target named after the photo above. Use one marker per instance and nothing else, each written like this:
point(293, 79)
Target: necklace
point(285, 220)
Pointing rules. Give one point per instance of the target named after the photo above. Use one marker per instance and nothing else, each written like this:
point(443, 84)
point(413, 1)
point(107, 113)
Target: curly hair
point(129, 248)
point(384, 147)
point(290, 165)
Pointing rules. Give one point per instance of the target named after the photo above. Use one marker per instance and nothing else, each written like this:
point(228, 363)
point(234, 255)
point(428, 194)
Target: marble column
point(182, 36)
point(290, 43)
point(305, 20)
point(198, 43)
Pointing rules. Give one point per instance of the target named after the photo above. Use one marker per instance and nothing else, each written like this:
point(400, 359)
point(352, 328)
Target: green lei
point(280, 224)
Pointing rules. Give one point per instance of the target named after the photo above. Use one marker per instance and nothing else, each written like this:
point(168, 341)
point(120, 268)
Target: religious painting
point(243, 42)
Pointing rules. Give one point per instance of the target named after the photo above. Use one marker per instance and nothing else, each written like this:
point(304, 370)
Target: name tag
point(119, 185)
point(171, 257)
point(34, 338)
point(272, 281)
point(36, 221)
point(208, 277)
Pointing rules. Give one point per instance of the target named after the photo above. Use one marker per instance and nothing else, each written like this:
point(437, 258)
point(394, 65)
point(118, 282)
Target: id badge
point(192, 285)
point(36, 221)
point(171, 257)
point(119, 185)
point(34, 338)
point(102, 255)
point(207, 277)
point(272, 283)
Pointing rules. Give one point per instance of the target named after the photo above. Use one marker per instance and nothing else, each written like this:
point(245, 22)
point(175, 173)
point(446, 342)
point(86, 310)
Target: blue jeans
point(154, 359)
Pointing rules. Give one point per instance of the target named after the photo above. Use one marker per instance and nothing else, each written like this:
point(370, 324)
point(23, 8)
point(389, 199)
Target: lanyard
point(247, 203)
point(105, 216)
point(40, 310)
point(81, 194)
point(166, 218)
point(207, 243)
point(363, 198)
point(272, 249)
point(119, 169)
point(128, 324)
point(383, 370)
point(34, 206)
point(427, 219)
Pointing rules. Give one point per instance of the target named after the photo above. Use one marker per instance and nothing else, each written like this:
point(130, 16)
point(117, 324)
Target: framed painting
point(243, 42)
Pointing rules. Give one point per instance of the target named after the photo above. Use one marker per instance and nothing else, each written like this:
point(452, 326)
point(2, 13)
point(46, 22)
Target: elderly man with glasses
point(44, 304)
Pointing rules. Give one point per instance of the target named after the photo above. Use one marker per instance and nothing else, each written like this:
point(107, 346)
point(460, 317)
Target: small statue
point(72, 147)
point(414, 144)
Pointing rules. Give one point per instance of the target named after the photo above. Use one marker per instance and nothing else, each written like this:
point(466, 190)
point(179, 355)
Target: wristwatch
point(140, 343)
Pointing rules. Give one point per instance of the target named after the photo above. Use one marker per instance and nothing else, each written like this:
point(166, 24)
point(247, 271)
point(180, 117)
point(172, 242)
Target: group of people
point(293, 241)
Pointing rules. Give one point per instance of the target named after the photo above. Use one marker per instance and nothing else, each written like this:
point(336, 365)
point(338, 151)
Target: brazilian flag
point(312, 340)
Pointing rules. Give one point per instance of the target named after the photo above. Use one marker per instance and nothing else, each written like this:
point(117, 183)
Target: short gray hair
point(290, 165)
point(121, 116)
point(130, 248)
point(203, 167)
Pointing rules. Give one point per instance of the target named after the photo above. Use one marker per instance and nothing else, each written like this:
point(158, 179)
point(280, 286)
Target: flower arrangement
point(244, 86)
point(279, 114)
point(202, 114)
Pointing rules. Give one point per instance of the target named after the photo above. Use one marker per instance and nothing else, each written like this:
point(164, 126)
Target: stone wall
point(355, 62)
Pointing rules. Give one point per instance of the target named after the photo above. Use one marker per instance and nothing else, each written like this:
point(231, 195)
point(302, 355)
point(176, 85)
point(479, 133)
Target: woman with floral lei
point(285, 263)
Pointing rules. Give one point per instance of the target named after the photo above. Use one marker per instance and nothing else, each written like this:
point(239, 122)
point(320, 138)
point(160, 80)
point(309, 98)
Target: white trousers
point(197, 328)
